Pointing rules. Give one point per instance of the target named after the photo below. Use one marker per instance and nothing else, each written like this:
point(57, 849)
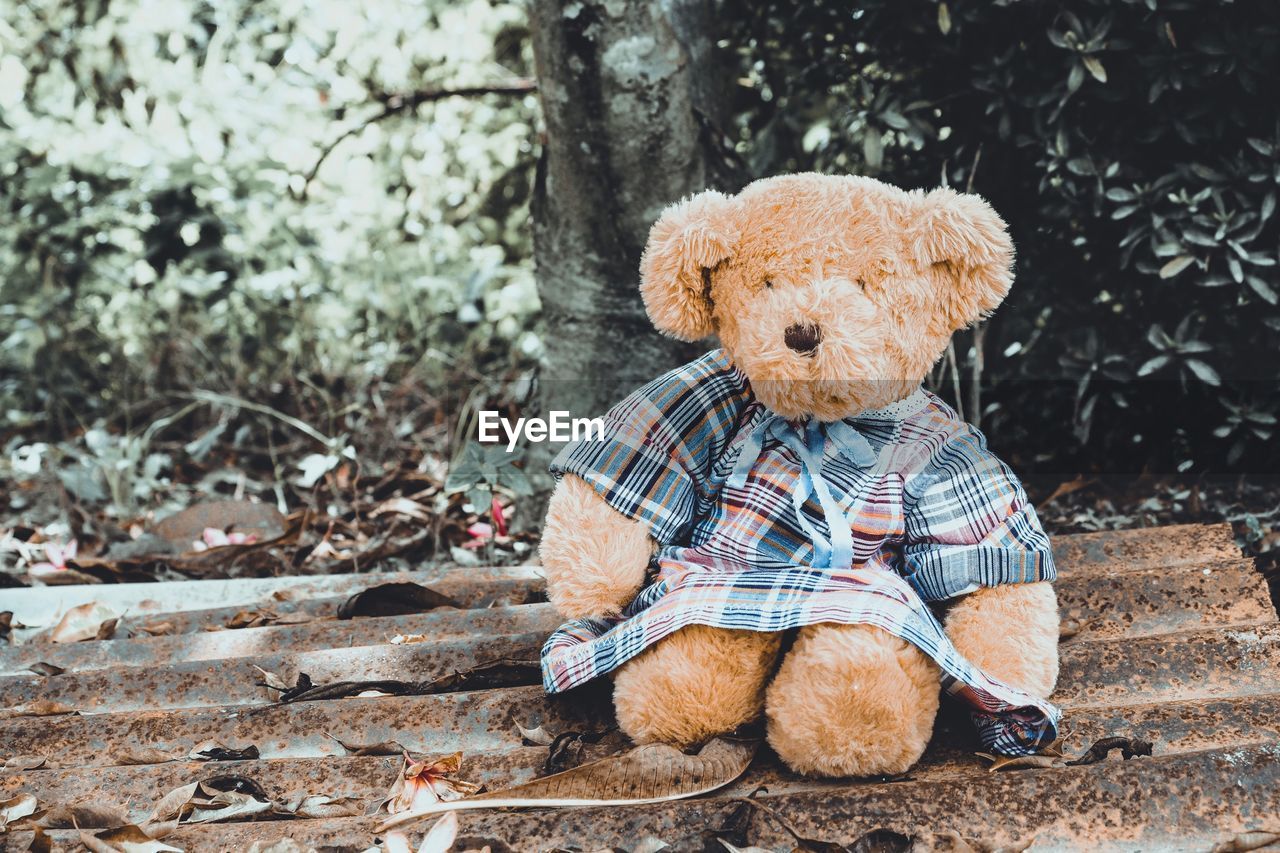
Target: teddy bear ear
point(689, 239)
point(962, 245)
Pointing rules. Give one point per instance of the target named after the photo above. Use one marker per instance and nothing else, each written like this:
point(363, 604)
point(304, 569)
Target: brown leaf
point(144, 755)
point(82, 623)
point(185, 527)
point(172, 804)
point(384, 748)
point(125, 839)
point(158, 629)
point(39, 708)
point(652, 773)
point(393, 599)
point(402, 506)
point(46, 669)
point(24, 762)
point(1129, 747)
point(107, 629)
point(320, 806)
point(1246, 841)
point(79, 815)
point(213, 751)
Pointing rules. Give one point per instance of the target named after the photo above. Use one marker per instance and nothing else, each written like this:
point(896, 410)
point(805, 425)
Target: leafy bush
point(1134, 148)
point(159, 232)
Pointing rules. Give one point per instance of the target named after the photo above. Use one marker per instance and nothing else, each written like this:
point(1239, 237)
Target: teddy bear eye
point(862, 284)
point(768, 284)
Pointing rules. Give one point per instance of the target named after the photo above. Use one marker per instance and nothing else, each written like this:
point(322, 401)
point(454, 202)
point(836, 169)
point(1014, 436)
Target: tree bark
point(631, 95)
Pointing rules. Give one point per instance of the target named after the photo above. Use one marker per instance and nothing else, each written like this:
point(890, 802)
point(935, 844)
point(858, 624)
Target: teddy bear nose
point(802, 337)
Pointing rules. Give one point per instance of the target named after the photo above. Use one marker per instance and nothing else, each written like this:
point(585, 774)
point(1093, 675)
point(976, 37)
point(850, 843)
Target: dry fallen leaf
point(144, 755)
point(440, 838)
point(125, 839)
point(46, 669)
point(211, 750)
point(24, 762)
point(390, 747)
point(535, 737)
point(393, 599)
point(652, 773)
point(18, 806)
point(209, 805)
point(158, 629)
point(82, 623)
point(1246, 841)
point(90, 814)
point(407, 639)
point(402, 506)
point(39, 708)
point(170, 807)
point(270, 679)
point(420, 783)
point(320, 806)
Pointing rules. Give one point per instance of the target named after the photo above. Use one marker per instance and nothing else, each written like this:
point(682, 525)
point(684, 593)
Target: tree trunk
point(630, 99)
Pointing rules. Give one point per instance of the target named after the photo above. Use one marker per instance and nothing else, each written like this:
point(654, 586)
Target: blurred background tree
point(322, 209)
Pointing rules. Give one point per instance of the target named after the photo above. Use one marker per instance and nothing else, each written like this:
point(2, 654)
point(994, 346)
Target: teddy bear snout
point(803, 338)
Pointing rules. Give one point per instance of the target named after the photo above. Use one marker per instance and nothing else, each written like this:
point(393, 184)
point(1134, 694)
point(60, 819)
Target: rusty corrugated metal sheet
point(1175, 642)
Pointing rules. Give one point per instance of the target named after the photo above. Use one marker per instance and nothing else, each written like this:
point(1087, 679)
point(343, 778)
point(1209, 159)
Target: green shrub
point(1134, 148)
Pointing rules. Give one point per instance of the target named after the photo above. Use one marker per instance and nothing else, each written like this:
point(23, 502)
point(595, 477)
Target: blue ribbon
point(809, 442)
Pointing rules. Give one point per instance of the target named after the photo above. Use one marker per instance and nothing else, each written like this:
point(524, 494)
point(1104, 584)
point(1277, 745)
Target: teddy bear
point(772, 531)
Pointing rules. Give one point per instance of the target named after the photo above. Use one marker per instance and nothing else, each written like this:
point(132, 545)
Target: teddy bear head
point(833, 294)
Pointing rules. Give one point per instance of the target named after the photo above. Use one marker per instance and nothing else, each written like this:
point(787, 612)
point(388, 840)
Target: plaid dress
point(741, 502)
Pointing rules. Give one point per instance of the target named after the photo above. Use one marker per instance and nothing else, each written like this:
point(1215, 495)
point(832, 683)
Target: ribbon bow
point(809, 442)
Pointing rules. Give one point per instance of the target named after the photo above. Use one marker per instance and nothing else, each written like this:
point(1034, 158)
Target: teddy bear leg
point(852, 700)
point(695, 684)
point(1010, 632)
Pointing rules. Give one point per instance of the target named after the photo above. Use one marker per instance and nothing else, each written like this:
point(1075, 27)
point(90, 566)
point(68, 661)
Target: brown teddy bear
point(800, 478)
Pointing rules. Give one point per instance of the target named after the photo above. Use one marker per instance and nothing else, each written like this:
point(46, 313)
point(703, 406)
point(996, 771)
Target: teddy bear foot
point(852, 700)
point(695, 684)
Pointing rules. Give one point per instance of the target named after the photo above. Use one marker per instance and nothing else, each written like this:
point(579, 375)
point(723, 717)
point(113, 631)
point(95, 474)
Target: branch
point(396, 104)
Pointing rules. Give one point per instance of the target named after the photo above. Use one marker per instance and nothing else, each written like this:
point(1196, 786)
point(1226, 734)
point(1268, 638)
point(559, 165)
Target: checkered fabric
point(931, 512)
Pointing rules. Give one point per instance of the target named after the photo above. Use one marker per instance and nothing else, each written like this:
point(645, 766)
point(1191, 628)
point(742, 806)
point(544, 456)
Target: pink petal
point(499, 520)
point(480, 530)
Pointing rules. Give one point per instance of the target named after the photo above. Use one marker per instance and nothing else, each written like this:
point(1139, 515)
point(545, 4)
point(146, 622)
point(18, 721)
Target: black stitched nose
point(803, 338)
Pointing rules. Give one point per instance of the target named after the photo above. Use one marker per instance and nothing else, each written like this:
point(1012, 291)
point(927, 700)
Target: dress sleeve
point(660, 444)
point(971, 524)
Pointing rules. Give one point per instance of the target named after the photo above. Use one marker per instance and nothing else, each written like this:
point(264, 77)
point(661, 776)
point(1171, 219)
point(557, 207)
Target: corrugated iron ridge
point(1179, 598)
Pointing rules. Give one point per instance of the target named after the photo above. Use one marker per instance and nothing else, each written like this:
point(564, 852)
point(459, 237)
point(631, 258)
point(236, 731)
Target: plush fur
point(695, 684)
point(852, 700)
point(1011, 632)
point(594, 557)
point(880, 279)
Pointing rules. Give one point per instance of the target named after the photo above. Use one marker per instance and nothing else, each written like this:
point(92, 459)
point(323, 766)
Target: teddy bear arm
point(594, 557)
point(1011, 633)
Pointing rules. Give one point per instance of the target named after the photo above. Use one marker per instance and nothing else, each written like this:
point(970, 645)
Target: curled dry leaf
point(421, 783)
point(144, 755)
point(125, 839)
point(24, 762)
point(651, 773)
point(1246, 841)
point(46, 669)
point(39, 708)
point(408, 639)
point(402, 506)
point(273, 681)
point(77, 815)
point(1129, 747)
point(393, 599)
point(18, 806)
point(158, 629)
point(440, 838)
point(83, 622)
point(385, 748)
point(320, 806)
point(535, 737)
point(211, 750)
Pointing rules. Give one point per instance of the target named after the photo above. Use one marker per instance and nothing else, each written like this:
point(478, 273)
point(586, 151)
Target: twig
point(396, 104)
point(237, 403)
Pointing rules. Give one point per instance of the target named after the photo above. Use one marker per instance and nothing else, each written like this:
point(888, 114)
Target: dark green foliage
point(1134, 148)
